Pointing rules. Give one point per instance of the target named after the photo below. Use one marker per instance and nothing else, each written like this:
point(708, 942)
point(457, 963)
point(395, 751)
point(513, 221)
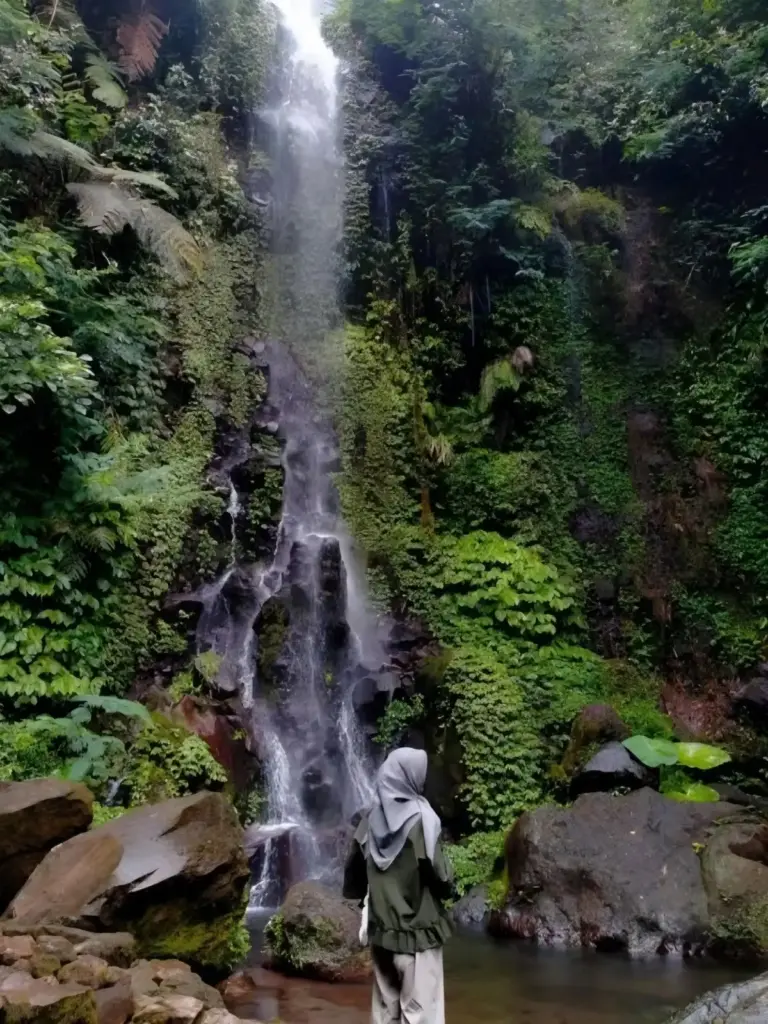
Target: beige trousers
point(407, 987)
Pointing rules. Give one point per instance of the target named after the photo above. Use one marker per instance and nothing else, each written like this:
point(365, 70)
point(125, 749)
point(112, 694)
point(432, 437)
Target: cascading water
point(313, 753)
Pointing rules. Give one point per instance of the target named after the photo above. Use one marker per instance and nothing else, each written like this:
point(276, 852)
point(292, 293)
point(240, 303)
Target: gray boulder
point(472, 910)
point(743, 1003)
point(612, 767)
point(611, 873)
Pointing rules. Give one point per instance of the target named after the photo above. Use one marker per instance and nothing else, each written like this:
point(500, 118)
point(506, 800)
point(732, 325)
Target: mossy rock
point(42, 1003)
point(736, 881)
point(315, 935)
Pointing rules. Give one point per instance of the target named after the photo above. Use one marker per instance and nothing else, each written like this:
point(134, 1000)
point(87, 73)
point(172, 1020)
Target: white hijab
point(398, 804)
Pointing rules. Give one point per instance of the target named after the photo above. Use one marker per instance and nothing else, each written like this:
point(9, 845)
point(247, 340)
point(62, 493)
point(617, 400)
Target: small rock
point(221, 1017)
point(238, 988)
point(163, 970)
point(16, 947)
point(171, 1009)
point(114, 1005)
point(89, 971)
point(16, 979)
point(472, 910)
point(117, 948)
point(43, 964)
point(57, 946)
point(114, 975)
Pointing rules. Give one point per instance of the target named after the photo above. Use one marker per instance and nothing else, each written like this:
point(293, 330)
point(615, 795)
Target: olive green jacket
point(405, 909)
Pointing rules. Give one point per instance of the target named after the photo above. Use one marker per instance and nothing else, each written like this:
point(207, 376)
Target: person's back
point(406, 878)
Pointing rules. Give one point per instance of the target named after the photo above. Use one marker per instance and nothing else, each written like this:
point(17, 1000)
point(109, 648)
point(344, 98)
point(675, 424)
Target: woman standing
point(397, 859)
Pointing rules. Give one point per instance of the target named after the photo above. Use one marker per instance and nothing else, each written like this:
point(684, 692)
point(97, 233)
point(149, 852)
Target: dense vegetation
point(555, 432)
point(127, 259)
point(557, 264)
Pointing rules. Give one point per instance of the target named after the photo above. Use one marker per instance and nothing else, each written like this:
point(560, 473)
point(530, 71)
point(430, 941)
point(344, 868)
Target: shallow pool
point(491, 983)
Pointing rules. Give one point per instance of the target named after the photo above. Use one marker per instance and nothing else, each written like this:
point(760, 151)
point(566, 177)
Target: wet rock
point(89, 971)
point(173, 874)
point(746, 1002)
point(472, 910)
point(34, 817)
point(41, 1003)
point(238, 988)
point(612, 767)
point(610, 873)
point(211, 723)
point(315, 935)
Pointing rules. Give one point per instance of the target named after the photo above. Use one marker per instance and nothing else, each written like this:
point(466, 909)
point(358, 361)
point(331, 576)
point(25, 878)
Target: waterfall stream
point(316, 767)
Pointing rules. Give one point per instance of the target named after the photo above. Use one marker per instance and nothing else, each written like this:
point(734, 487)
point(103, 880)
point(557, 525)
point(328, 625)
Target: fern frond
point(102, 207)
point(140, 38)
point(498, 376)
point(147, 178)
point(108, 209)
point(104, 81)
point(19, 134)
point(14, 22)
point(115, 706)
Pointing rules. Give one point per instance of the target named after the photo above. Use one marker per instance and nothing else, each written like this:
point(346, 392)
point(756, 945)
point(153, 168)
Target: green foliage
point(477, 860)
point(657, 752)
point(399, 716)
point(167, 761)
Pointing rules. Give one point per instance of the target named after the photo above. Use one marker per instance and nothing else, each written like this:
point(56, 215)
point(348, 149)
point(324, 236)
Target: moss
point(293, 949)
point(175, 930)
point(74, 1009)
point(273, 629)
point(742, 932)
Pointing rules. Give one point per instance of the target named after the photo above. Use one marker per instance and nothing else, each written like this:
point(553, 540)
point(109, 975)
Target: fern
point(104, 81)
point(499, 376)
point(14, 22)
point(139, 39)
point(115, 706)
point(108, 209)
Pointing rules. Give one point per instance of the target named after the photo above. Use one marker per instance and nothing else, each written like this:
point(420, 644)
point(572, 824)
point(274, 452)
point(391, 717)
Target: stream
point(502, 983)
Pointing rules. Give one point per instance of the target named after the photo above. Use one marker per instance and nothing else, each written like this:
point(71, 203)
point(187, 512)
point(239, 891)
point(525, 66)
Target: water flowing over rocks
point(640, 873)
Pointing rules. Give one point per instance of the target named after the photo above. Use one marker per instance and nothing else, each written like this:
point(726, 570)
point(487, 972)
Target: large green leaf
point(701, 755)
point(695, 792)
point(651, 752)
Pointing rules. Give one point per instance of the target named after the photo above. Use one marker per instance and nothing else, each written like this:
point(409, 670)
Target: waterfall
point(305, 722)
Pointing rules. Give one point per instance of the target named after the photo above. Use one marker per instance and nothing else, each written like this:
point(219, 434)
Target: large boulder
point(734, 866)
point(34, 817)
point(315, 935)
point(743, 1003)
point(172, 874)
point(610, 873)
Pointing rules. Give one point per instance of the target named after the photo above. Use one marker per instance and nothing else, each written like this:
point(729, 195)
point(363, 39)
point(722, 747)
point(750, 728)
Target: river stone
point(34, 817)
point(734, 865)
point(612, 767)
point(743, 1003)
point(315, 935)
point(172, 874)
point(610, 873)
point(171, 1009)
point(472, 910)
